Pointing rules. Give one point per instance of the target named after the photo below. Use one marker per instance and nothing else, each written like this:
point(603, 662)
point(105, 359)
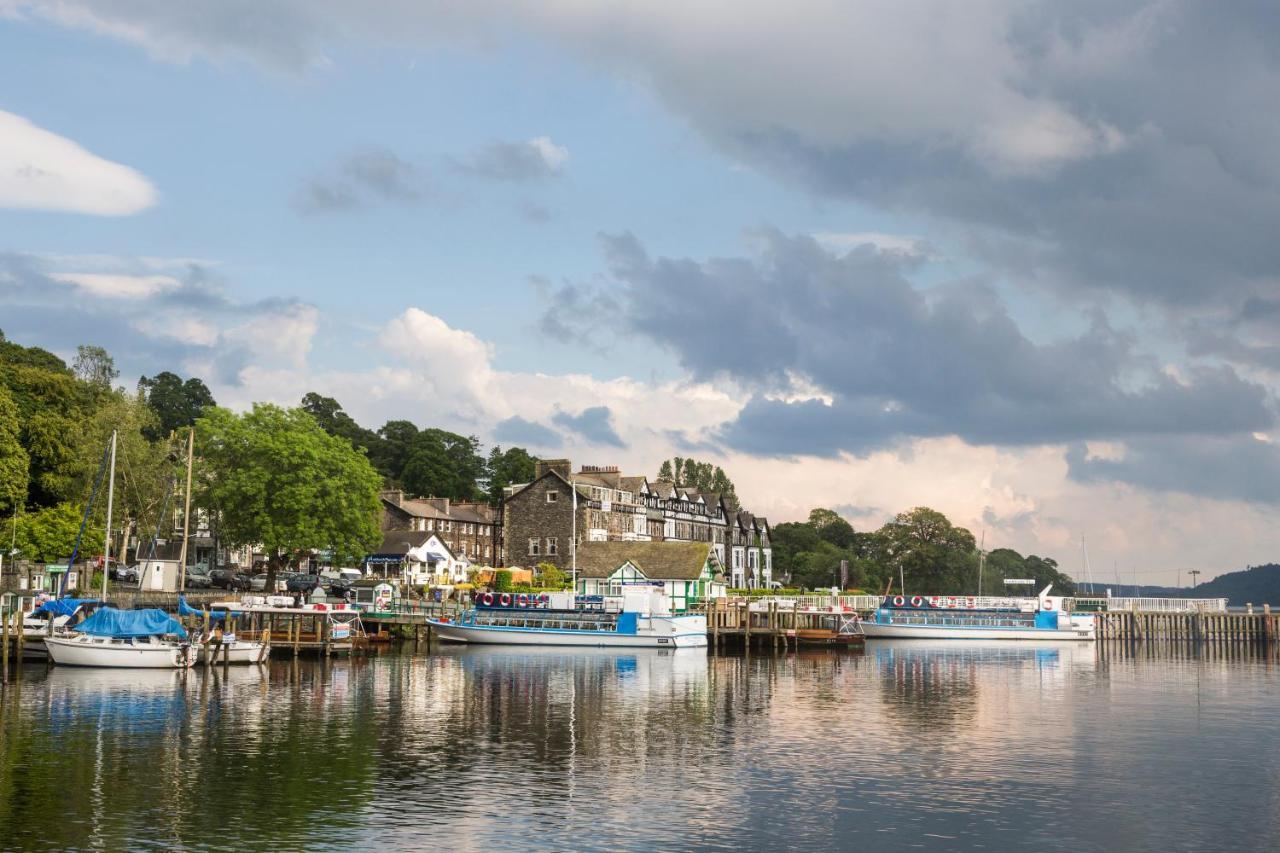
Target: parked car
point(228, 578)
point(349, 576)
point(338, 587)
point(124, 574)
point(302, 583)
point(197, 578)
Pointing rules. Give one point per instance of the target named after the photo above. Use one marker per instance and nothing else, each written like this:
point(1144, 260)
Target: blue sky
point(1011, 261)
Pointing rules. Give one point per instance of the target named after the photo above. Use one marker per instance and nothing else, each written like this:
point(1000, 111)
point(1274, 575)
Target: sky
point(1015, 261)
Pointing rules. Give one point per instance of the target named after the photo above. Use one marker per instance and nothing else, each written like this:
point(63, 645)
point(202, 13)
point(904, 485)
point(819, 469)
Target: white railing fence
point(1168, 605)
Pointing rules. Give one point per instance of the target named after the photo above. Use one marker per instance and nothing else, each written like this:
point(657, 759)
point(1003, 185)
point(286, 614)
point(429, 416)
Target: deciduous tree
point(277, 480)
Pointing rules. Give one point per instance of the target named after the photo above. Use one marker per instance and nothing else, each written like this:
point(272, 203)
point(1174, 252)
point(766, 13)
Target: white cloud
point(903, 245)
point(553, 155)
point(118, 286)
point(40, 170)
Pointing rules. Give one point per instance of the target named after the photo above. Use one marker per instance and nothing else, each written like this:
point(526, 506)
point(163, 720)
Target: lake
point(903, 746)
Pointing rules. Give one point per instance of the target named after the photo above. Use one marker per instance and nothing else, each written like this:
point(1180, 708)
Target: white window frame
point(553, 497)
point(535, 544)
point(553, 547)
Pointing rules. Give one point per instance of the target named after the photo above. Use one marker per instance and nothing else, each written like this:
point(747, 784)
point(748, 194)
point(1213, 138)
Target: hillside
point(1256, 584)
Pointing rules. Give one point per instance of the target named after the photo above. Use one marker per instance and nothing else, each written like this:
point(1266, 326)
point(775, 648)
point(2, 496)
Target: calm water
point(905, 746)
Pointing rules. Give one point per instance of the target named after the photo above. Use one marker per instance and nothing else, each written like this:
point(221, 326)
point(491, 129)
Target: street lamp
point(1195, 573)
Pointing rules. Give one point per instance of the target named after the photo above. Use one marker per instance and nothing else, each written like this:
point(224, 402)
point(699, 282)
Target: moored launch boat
point(644, 620)
point(943, 617)
point(124, 639)
point(52, 617)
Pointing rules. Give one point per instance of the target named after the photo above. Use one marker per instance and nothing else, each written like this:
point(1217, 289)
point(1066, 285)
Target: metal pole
point(573, 537)
point(186, 515)
point(111, 493)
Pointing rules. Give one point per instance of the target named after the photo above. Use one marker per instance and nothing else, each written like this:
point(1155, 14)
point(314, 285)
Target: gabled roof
point(400, 541)
point(632, 484)
point(556, 474)
point(436, 508)
point(657, 560)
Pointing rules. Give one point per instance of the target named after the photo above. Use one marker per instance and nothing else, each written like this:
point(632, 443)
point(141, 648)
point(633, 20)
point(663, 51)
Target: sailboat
point(125, 639)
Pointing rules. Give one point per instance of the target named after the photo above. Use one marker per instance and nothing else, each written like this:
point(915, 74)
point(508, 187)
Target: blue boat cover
point(130, 623)
point(185, 609)
point(63, 606)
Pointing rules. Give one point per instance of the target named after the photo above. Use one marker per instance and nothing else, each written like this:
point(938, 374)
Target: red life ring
point(544, 598)
point(488, 598)
point(916, 601)
point(505, 599)
point(522, 600)
point(898, 601)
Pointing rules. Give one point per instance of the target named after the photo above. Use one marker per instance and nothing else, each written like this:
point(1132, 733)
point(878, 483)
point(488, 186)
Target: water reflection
point(943, 746)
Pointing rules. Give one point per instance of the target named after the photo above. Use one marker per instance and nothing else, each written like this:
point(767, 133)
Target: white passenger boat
point(124, 639)
point(642, 618)
point(946, 617)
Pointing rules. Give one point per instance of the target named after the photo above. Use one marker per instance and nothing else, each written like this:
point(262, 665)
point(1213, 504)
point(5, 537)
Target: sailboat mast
point(111, 494)
point(186, 515)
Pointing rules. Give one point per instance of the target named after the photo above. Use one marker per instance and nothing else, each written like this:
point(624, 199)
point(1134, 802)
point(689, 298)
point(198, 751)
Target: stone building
point(538, 519)
point(470, 530)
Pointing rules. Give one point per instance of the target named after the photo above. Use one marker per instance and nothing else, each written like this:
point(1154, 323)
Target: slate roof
point(657, 560)
point(435, 508)
point(398, 542)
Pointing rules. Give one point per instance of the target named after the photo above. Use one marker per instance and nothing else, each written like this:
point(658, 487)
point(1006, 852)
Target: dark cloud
point(517, 430)
point(516, 161)
point(892, 361)
point(1238, 467)
point(363, 178)
point(593, 424)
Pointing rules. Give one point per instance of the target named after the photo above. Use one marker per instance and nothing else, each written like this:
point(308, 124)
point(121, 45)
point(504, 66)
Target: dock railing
point(1168, 605)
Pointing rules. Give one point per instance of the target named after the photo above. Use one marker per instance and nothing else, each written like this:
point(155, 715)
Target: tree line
point(291, 480)
point(920, 548)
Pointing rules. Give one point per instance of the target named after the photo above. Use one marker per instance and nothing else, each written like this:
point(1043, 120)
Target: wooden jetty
point(771, 625)
point(1260, 627)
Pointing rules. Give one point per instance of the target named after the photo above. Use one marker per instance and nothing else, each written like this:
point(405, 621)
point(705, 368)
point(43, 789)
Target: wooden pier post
point(4, 645)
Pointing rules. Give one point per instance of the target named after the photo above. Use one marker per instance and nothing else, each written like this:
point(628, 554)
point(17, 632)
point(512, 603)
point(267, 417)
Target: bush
point(502, 581)
point(552, 577)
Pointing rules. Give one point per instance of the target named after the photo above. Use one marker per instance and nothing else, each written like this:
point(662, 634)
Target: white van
point(348, 575)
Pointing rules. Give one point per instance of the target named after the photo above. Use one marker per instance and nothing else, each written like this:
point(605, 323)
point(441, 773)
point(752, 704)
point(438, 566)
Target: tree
point(393, 450)
point(176, 403)
point(48, 535)
point(95, 366)
point(277, 479)
point(333, 420)
point(924, 545)
point(14, 460)
point(502, 581)
point(444, 464)
point(514, 465)
point(551, 575)
point(702, 477)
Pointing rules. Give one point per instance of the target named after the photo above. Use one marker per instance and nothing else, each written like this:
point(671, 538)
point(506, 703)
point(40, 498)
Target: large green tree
point(928, 552)
point(13, 456)
point(95, 366)
point(333, 420)
point(443, 464)
point(276, 479)
point(177, 403)
point(513, 465)
point(700, 476)
point(48, 535)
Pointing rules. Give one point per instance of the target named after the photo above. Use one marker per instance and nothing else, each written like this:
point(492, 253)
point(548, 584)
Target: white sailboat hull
point(83, 650)
point(241, 652)
point(676, 632)
point(877, 630)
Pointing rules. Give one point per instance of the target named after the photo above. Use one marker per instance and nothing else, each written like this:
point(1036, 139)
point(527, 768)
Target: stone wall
point(530, 515)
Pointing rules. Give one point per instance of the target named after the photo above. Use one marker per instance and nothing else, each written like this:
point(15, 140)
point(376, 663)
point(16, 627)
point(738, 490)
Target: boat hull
point(883, 631)
point(241, 652)
point(75, 651)
point(687, 632)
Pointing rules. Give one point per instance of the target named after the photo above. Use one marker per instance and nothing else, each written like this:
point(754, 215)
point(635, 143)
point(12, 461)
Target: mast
point(982, 560)
point(573, 536)
point(186, 515)
point(111, 494)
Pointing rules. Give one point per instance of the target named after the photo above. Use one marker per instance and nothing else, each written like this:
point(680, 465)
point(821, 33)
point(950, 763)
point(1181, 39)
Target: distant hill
point(1256, 584)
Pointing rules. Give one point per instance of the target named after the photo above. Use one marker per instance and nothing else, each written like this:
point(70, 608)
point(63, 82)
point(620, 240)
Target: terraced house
point(539, 524)
point(469, 529)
